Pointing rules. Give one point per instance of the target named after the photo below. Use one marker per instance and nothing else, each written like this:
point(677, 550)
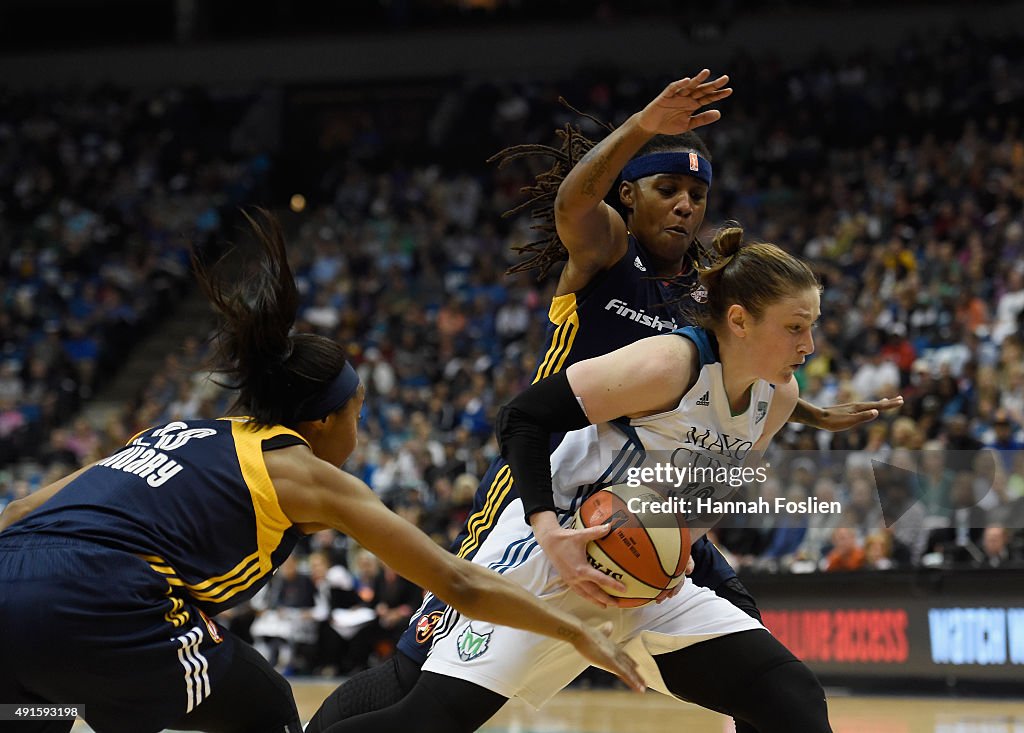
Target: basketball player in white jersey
point(706, 389)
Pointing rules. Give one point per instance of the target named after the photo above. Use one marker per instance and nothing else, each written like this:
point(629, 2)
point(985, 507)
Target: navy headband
point(689, 164)
point(333, 396)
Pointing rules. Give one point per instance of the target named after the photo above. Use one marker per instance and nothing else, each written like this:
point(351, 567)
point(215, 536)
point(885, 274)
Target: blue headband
point(689, 164)
point(332, 397)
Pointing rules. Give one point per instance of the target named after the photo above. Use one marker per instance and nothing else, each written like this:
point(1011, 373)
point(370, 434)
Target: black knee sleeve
point(370, 690)
point(752, 677)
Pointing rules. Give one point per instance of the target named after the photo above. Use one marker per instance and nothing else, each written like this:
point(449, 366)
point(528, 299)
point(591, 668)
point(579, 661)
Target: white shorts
point(519, 663)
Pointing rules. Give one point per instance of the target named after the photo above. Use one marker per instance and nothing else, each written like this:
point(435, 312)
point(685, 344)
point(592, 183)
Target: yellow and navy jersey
point(192, 499)
point(622, 304)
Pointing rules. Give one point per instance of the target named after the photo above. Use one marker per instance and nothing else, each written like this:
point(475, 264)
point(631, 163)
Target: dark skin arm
point(311, 491)
point(20, 508)
point(842, 417)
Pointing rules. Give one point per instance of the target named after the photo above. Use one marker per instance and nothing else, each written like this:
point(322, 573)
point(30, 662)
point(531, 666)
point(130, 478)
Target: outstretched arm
point(311, 490)
point(22, 507)
point(845, 416)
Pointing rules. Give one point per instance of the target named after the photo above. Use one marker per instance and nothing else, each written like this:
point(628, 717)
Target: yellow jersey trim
point(484, 519)
point(563, 313)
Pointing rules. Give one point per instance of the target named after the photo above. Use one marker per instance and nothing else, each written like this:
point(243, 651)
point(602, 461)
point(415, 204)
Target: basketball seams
point(640, 564)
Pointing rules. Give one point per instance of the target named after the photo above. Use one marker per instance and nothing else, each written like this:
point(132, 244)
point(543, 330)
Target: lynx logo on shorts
point(762, 410)
point(472, 644)
point(426, 625)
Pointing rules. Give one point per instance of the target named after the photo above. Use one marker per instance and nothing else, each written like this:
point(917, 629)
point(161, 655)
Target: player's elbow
point(16, 510)
point(569, 207)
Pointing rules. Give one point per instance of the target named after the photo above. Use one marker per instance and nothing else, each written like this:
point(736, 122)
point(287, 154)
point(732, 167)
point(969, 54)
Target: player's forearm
point(496, 600)
point(586, 185)
point(21, 508)
point(806, 413)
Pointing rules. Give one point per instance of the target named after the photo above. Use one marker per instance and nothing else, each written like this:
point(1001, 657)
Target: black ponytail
point(275, 371)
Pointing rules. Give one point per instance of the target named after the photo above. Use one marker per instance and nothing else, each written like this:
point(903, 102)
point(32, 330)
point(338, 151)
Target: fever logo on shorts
point(426, 625)
point(472, 644)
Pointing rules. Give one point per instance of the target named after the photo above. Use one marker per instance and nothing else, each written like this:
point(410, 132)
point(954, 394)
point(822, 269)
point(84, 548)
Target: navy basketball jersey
point(193, 500)
point(622, 304)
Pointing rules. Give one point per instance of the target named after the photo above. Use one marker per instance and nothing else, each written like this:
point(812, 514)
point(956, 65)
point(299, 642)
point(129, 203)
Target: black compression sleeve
point(524, 429)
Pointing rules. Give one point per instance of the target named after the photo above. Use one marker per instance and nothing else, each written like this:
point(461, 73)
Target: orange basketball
point(646, 550)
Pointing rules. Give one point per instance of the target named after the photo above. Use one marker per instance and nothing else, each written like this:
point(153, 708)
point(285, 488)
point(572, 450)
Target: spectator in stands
point(847, 553)
point(285, 628)
point(878, 551)
point(995, 548)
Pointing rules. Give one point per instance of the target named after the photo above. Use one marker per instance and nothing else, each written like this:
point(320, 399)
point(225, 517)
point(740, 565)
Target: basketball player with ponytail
point(109, 577)
point(733, 375)
point(627, 270)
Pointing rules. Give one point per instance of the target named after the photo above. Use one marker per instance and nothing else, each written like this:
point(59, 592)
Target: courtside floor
point(604, 711)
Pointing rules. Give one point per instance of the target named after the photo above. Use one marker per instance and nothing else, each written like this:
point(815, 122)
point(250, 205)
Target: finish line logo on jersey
point(621, 308)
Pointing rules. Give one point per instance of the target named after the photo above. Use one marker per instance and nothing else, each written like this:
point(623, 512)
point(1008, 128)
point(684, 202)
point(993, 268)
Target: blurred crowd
point(900, 177)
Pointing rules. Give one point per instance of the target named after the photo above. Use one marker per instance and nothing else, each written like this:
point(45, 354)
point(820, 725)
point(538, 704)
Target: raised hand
point(675, 110)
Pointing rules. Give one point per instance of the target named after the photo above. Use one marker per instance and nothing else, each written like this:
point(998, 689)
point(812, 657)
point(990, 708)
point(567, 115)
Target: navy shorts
point(88, 625)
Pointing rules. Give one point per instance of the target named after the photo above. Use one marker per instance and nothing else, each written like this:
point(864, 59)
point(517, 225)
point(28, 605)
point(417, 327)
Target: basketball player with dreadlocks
point(625, 276)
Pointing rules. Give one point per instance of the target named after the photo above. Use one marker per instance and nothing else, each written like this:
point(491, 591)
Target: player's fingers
point(705, 118)
point(597, 594)
point(667, 593)
point(606, 582)
point(713, 95)
point(886, 404)
point(710, 88)
point(685, 86)
point(700, 77)
point(593, 533)
point(626, 670)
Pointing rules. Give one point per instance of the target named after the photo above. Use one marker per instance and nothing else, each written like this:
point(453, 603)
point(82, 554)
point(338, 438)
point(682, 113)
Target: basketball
point(646, 550)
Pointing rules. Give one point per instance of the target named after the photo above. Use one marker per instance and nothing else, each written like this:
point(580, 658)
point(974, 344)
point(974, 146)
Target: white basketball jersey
point(700, 431)
point(518, 663)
